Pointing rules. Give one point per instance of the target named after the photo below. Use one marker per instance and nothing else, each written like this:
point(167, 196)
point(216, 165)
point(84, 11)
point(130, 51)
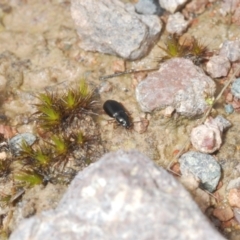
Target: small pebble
point(202, 198)
point(7, 131)
point(231, 50)
point(118, 66)
point(220, 121)
point(234, 197)
point(235, 66)
point(236, 104)
point(235, 89)
point(190, 182)
point(105, 86)
point(3, 156)
point(149, 7)
point(234, 183)
point(223, 213)
point(196, 6)
point(229, 225)
point(175, 169)
point(15, 142)
point(207, 137)
point(172, 5)
point(228, 96)
point(218, 66)
point(169, 111)
point(176, 24)
point(229, 108)
point(203, 166)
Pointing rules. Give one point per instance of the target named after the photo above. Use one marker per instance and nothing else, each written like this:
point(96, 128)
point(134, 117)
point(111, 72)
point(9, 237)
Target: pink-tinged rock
point(223, 213)
point(178, 83)
point(231, 50)
point(229, 97)
point(207, 138)
point(234, 197)
point(197, 6)
point(172, 5)
point(218, 66)
point(176, 23)
point(236, 104)
point(112, 27)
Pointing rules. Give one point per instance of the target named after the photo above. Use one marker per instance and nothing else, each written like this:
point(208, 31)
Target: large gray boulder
point(122, 196)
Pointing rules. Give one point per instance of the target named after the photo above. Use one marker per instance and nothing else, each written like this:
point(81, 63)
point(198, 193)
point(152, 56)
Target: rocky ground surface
point(44, 47)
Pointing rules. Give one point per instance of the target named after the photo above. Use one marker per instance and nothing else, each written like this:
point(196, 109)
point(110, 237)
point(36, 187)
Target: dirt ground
point(39, 50)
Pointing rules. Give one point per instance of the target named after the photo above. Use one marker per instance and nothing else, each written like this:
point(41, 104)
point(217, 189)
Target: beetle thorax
point(122, 118)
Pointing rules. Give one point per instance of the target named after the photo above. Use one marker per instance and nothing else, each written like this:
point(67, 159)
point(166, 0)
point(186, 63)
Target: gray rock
point(229, 109)
point(235, 89)
point(176, 23)
point(122, 196)
point(15, 143)
point(178, 83)
point(218, 66)
point(172, 5)
point(221, 122)
point(110, 26)
point(231, 50)
point(202, 166)
point(149, 7)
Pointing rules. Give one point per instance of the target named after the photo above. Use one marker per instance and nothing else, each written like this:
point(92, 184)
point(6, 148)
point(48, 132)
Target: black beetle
point(116, 110)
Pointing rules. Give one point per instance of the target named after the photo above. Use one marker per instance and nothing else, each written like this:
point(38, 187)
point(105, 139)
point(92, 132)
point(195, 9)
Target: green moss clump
point(65, 143)
point(56, 110)
point(195, 50)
